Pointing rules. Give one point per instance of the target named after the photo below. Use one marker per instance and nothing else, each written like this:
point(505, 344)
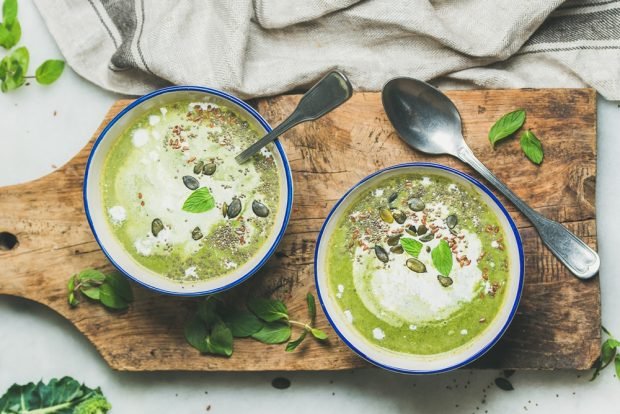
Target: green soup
point(187, 149)
point(417, 264)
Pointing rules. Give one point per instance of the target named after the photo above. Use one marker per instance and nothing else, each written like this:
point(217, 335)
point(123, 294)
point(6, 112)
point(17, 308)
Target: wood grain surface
point(558, 322)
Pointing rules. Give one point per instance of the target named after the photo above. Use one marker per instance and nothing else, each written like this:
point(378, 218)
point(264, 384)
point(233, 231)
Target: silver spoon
point(428, 121)
point(326, 95)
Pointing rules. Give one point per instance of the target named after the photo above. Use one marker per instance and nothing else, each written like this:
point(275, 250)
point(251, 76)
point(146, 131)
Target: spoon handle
point(327, 94)
point(577, 256)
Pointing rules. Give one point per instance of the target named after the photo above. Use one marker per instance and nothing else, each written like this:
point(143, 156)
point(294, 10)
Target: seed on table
point(198, 167)
point(190, 182)
point(381, 254)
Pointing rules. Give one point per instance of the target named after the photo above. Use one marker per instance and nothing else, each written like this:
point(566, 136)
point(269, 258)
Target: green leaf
point(196, 334)
point(442, 258)
point(318, 334)
point(73, 302)
point(90, 276)
point(110, 298)
point(531, 146)
point(617, 364)
point(10, 34)
point(411, 246)
point(49, 71)
point(199, 201)
point(608, 351)
point(242, 324)
point(9, 12)
point(291, 346)
point(14, 67)
point(220, 340)
point(61, 396)
point(269, 310)
point(120, 285)
point(207, 311)
point(273, 333)
point(311, 306)
point(506, 125)
point(92, 292)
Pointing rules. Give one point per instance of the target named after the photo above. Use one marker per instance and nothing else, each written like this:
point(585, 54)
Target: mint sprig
point(411, 246)
point(200, 201)
point(609, 353)
point(532, 147)
point(111, 290)
point(266, 320)
point(442, 258)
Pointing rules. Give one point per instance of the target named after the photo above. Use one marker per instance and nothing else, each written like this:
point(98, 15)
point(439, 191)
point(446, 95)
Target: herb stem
point(301, 325)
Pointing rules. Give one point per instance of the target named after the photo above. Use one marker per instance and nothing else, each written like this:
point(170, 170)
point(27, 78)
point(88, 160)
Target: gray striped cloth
point(266, 47)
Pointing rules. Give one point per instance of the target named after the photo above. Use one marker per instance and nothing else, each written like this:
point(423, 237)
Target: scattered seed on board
point(156, 227)
point(381, 254)
point(190, 182)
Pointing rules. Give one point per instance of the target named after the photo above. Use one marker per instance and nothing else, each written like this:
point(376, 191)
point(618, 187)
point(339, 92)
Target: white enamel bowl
point(93, 203)
point(421, 364)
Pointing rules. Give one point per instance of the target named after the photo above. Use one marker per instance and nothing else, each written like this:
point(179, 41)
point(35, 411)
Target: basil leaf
point(90, 275)
point(120, 285)
point(291, 346)
point(442, 258)
point(49, 71)
point(9, 12)
point(269, 310)
point(318, 334)
point(196, 334)
point(242, 324)
point(64, 395)
point(91, 292)
point(220, 340)
point(506, 125)
point(199, 201)
point(311, 306)
point(532, 147)
point(110, 298)
point(273, 333)
point(411, 246)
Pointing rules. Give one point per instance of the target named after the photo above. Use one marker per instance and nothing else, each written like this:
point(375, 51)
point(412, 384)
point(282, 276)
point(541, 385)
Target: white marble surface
point(36, 343)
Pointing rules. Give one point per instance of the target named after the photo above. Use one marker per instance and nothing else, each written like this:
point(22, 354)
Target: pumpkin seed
point(393, 240)
point(196, 234)
point(427, 237)
point(422, 230)
point(415, 265)
point(428, 249)
point(234, 208)
point(381, 254)
point(399, 216)
point(156, 227)
point(451, 221)
point(411, 230)
point(392, 197)
point(198, 167)
point(190, 182)
point(209, 168)
point(386, 215)
point(444, 280)
point(260, 209)
point(416, 204)
point(398, 249)
point(224, 209)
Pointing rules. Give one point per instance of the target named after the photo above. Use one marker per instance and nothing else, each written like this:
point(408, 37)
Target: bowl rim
point(517, 299)
point(257, 117)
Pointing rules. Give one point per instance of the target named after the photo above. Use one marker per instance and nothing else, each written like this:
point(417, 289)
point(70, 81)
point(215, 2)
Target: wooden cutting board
point(558, 322)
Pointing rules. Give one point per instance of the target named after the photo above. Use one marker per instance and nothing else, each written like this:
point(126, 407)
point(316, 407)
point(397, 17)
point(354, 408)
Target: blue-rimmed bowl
point(408, 363)
point(93, 202)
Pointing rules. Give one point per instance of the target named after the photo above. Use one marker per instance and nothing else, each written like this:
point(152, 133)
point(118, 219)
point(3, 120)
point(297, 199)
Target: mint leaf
point(506, 125)
point(318, 334)
point(269, 310)
point(273, 333)
point(92, 292)
point(10, 34)
point(532, 147)
point(311, 306)
point(110, 298)
point(617, 364)
point(411, 246)
point(90, 275)
point(207, 311)
point(196, 334)
point(71, 292)
point(9, 12)
point(220, 340)
point(291, 346)
point(442, 258)
point(242, 324)
point(199, 201)
point(120, 285)
point(49, 71)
